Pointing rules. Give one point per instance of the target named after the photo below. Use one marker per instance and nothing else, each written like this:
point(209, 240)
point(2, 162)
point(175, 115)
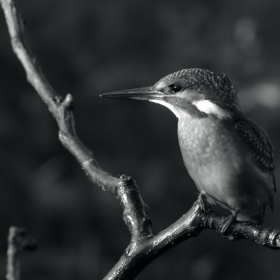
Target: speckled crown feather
point(217, 86)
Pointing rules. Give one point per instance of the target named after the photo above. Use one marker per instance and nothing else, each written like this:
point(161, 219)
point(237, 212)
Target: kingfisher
point(228, 156)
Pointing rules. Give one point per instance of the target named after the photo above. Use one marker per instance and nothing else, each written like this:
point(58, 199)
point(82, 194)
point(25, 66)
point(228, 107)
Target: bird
point(229, 156)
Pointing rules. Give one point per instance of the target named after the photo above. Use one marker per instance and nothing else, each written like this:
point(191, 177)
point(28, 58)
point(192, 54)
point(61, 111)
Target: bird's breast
point(206, 140)
point(211, 155)
point(220, 165)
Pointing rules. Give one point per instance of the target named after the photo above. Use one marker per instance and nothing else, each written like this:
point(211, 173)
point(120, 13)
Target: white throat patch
point(208, 107)
point(178, 113)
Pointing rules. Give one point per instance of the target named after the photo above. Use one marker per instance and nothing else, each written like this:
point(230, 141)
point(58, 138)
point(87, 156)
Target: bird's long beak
point(145, 93)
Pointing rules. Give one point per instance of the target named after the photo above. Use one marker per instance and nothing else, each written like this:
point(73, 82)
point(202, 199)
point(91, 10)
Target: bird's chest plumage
point(205, 141)
point(220, 165)
point(212, 154)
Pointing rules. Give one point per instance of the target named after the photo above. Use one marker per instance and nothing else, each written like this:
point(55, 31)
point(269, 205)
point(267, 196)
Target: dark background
point(88, 47)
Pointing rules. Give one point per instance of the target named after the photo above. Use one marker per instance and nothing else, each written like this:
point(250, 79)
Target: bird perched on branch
point(228, 156)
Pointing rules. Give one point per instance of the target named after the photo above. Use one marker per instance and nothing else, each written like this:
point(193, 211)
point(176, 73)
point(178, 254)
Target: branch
point(144, 247)
point(142, 252)
point(60, 108)
point(18, 241)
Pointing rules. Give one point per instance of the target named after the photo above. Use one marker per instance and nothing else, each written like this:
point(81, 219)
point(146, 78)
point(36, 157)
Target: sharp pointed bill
point(145, 93)
point(208, 107)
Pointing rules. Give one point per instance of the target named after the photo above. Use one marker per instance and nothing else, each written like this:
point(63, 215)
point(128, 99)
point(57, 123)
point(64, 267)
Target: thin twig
point(60, 108)
point(135, 210)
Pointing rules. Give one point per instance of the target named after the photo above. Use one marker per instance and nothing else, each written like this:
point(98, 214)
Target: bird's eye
point(175, 88)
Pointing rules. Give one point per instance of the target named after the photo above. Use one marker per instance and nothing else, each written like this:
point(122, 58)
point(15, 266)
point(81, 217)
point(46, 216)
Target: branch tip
point(68, 100)
point(127, 180)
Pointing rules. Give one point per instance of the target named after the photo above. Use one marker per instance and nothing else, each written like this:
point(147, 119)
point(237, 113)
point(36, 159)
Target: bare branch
point(135, 210)
point(267, 237)
point(141, 252)
point(18, 241)
point(125, 189)
point(60, 108)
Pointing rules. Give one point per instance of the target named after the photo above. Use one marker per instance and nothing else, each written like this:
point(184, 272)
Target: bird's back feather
point(259, 147)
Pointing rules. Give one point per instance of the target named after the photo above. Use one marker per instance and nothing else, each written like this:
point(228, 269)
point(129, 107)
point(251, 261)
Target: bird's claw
point(203, 203)
point(228, 221)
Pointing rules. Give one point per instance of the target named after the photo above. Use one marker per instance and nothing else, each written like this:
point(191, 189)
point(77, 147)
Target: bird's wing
point(258, 144)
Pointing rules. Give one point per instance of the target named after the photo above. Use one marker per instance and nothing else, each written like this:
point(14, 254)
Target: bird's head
point(198, 92)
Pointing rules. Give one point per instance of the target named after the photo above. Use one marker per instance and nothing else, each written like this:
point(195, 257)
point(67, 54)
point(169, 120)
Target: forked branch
point(144, 247)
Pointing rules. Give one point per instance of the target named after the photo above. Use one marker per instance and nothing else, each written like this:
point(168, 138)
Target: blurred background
point(89, 47)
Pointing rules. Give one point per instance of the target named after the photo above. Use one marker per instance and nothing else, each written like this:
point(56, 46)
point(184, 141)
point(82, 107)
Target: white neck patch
point(178, 113)
point(208, 107)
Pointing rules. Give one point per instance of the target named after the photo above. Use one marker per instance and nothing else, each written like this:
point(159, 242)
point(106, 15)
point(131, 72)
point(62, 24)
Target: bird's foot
point(203, 203)
point(228, 221)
